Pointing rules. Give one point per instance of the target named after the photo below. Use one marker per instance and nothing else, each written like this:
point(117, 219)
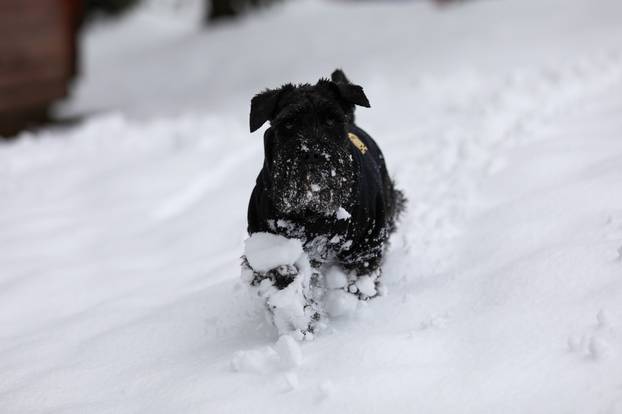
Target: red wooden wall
point(38, 57)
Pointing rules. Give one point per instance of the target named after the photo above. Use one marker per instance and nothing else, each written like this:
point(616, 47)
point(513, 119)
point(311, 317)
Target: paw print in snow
point(614, 234)
point(596, 344)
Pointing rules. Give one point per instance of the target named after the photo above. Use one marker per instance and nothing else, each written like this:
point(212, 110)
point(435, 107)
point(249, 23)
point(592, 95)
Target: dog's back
point(393, 199)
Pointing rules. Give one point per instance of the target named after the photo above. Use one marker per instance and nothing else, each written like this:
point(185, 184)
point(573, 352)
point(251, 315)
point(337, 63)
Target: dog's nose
point(312, 157)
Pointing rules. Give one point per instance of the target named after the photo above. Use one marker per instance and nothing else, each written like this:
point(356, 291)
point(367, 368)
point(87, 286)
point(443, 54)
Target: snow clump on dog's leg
point(280, 271)
point(266, 251)
point(338, 301)
point(345, 289)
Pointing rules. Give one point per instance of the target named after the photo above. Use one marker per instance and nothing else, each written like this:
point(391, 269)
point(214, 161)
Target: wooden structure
point(38, 58)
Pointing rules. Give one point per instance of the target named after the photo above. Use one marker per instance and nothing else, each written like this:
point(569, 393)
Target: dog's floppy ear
point(349, 92)
point(263, 106)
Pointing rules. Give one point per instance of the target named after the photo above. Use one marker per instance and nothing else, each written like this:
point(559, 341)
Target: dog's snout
point(312, 157)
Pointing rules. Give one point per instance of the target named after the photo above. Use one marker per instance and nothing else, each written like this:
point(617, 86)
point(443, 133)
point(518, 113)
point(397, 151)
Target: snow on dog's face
point(307, 148)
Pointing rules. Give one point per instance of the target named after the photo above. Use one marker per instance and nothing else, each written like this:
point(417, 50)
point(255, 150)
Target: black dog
point(324, 180)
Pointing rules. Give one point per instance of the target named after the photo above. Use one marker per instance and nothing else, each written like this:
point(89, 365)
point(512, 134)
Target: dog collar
point(356, 141)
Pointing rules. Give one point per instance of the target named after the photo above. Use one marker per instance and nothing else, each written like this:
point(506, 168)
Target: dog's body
point(357, 241)
point(324, 180)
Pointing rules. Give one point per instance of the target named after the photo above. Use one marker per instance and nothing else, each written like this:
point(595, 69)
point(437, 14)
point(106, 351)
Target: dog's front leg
point(364, 274)
point(291, 295)
point(279, 277)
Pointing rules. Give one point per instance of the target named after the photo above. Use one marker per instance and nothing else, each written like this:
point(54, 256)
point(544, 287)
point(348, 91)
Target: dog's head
point(307, 152)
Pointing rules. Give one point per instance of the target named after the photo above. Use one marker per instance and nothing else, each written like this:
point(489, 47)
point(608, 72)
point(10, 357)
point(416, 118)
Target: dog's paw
point(367, 286)
point(364, 287)
point(344, 291)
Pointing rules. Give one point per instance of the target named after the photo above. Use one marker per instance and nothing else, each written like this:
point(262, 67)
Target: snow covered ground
point(120, 238)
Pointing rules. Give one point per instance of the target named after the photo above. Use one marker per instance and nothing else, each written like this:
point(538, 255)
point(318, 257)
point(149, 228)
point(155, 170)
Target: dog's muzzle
point(312, 178)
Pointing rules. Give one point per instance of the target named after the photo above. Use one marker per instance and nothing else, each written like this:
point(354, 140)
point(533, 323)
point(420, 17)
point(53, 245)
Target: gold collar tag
point(357, 142)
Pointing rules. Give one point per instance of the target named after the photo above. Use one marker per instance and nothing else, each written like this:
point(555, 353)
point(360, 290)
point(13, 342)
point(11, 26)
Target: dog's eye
point(330, 121)
point(288, 125)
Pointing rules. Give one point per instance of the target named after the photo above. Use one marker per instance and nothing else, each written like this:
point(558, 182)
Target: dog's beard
point(319, 188)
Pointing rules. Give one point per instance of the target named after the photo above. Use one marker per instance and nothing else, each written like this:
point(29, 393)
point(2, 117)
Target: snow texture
point(121, 236)
point(335, 278)
point(289, 351)
point(366, 285)
point(342, 214)
point(340, 303)
point(265, 251)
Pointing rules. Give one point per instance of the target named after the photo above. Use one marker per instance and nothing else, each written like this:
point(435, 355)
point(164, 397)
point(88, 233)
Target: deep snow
point(120, 238)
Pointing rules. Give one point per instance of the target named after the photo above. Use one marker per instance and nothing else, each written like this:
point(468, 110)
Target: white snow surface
point(121, 237)
point(289, 351)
